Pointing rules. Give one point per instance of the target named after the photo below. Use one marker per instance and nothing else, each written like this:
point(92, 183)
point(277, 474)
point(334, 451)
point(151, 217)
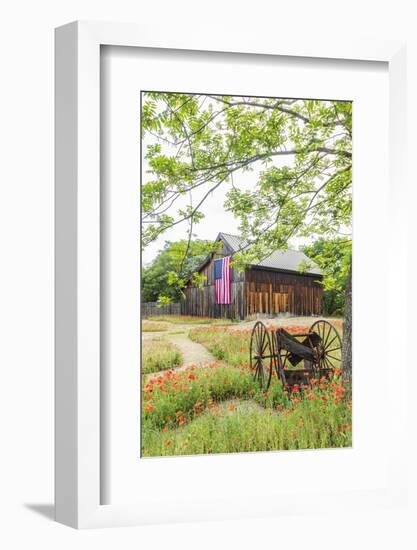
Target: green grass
point(243, 427)
point(189, 320)
point(150, 326)
point(159, 355)
point(189, 412)
point(231, 346)
point(170, 399)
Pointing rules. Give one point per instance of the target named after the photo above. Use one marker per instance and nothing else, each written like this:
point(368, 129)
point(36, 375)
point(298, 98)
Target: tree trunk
point(347, 329)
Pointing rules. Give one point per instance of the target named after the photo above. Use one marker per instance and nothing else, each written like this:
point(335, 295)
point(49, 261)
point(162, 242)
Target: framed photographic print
point(222, 210)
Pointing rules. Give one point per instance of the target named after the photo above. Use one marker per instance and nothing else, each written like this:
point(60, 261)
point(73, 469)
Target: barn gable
point(284, 260)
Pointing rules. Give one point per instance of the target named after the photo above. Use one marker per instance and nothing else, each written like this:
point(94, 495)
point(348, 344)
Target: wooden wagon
point(296, 358)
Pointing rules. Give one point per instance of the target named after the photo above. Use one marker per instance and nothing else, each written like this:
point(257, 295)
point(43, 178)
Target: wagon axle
point(319, 351)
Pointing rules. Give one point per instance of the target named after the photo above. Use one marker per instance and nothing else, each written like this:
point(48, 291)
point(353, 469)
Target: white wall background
point(26, 273)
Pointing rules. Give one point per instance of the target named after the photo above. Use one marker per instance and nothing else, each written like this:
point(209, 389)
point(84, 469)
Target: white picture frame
point(78, 501)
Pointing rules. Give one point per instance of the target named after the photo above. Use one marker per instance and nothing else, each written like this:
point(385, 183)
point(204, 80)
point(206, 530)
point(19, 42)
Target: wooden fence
point(202, 302)
point(150, 309)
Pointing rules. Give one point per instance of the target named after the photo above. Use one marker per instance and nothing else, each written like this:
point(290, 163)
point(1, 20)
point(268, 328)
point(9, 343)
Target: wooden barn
point(272, 287)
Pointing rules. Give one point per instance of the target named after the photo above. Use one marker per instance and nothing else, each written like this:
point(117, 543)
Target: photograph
point(246, 273)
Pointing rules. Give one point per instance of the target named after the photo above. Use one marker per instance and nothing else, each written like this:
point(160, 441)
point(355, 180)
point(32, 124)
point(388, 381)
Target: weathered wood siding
point(208, 270)
point(202, 301)
point(256, 291)
point(271, 292)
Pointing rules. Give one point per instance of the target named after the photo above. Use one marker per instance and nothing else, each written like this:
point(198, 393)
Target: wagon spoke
point(333, 339)
point(333, 357)
point(328, 363)
point(323, 363)
point(327, 337)
point(256, 374)
point(257, 337)
point(333, 349)
point(261, 342)
point(264, 342)
point(258, 345)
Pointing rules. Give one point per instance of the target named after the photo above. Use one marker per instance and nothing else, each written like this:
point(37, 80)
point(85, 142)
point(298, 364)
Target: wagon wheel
point(329, 348)
point(261, 357)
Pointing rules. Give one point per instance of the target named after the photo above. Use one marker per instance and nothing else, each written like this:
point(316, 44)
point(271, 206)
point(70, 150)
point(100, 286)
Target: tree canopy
point(202, 141)
point(176, 263)
point(333, 256)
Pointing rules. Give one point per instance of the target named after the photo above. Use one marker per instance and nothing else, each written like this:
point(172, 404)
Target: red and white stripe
point(223, 293)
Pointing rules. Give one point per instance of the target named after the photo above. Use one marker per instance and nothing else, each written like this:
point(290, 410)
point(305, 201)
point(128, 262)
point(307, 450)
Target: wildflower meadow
point(220, 408)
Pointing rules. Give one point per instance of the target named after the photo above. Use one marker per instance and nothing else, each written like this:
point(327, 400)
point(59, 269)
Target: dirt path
point(198, 355)
point(194, 353)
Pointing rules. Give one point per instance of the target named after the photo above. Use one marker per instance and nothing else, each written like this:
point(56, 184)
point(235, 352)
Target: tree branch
point(278, 106)
point(260, 156)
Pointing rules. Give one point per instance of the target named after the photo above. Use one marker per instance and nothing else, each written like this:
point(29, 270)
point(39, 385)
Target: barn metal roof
point(285, 260)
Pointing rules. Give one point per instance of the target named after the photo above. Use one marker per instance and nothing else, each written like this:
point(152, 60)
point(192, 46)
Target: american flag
point(222, 278)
